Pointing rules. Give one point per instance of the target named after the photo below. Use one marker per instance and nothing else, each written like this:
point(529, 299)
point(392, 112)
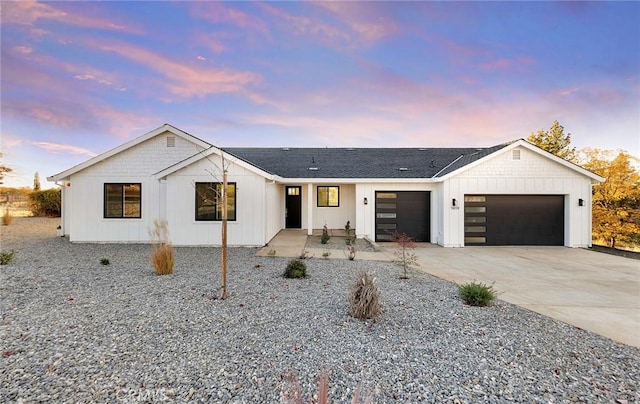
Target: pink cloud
point(28, 12)
point(184, 80)
point(368, 22)
point(214, 42)
point(518, 64)
point(305, 26)
point(65, 148)
point(217, 12)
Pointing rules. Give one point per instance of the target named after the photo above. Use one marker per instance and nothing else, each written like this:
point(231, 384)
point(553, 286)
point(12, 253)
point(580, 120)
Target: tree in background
point(46, 203)
point(616, 201)
point(3, 169)
point(36, 181)
point(555, 141)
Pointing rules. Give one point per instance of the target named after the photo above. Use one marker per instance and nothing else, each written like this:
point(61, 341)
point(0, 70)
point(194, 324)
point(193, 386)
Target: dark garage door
point(514, 220)
point(405, 212)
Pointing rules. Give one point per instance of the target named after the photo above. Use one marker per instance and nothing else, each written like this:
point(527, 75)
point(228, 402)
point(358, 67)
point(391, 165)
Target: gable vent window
point(516, 154)
point(171, 141)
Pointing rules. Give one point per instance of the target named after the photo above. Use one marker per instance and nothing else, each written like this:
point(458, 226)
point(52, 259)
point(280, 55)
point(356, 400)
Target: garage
point(403, 212)
point(513, 220)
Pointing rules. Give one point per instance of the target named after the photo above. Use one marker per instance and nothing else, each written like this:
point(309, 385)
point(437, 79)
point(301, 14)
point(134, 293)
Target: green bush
point(477, 294)
point(296, 269)
point(325, 235)
point(105, 261)
point(46, 203)
point(364, 297)
point(6, 257)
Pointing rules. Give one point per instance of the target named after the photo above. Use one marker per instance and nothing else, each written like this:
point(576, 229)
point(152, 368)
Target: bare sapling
point(404, 254)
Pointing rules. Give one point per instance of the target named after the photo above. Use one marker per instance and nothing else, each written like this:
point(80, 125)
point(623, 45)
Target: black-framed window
point(328, 196)
point(122, 200)
point(209, 201)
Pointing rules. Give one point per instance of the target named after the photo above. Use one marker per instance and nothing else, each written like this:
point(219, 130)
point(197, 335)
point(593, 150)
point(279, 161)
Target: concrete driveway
point(594, 291)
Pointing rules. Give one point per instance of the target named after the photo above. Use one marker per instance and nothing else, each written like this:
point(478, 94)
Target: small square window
point(328, 196)
point(122, 201)
point(209, 201)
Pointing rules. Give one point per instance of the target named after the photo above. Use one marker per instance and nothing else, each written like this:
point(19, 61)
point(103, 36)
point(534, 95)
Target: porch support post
point(310, 209)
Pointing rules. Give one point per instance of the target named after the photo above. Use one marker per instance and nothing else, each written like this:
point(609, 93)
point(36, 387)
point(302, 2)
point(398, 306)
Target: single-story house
point(510, 194)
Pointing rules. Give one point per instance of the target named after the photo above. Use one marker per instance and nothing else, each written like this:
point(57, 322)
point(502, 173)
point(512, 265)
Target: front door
point(293, 208)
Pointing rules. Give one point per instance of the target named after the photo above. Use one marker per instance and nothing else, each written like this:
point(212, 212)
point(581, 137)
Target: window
point(209, 201)
point(328, 196)
point(122, 201)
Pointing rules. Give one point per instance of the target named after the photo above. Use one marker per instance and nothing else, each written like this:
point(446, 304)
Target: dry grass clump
point(162, 256)
point(7, 218)
point(364, 297)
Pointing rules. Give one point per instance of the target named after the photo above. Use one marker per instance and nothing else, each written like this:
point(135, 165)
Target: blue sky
point(79, 78)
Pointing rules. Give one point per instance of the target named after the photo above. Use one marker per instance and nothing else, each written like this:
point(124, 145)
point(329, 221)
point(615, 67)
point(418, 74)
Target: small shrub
point(325, 235)
point(295, 269)
point(477, 294)
point(105, 261)
point(364, 297)
point(305, 254)
point(350, 234)
point(6, 257)
point(7, 218)
point(162, 255)
point(162, 259)
point(271, 253)
point(350, 252)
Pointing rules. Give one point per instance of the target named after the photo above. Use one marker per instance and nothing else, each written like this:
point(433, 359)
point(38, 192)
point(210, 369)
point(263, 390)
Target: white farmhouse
point(510, 194)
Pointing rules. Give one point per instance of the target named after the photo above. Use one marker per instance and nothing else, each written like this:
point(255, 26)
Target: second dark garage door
point(403, 212)
point(514, 219)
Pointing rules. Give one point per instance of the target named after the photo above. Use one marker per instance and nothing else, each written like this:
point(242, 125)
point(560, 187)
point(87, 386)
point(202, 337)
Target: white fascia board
point(134, 142)
point(595, 178)
point(356, 180)
point(204, 154)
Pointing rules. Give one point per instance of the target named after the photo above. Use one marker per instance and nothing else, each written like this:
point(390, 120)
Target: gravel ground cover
point(73, 330)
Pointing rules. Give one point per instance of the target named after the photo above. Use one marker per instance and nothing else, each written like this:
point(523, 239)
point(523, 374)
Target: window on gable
point(122, 200)
point(209, 201)
point(328, 196)
point(516, 154)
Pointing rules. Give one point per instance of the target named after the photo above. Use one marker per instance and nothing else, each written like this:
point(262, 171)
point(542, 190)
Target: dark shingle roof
point(360, 162)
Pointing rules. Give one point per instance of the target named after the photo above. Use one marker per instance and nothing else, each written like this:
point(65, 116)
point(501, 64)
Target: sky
point(80, 78)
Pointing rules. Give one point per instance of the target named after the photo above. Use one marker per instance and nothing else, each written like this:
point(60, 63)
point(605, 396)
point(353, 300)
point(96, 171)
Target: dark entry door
point(403, 212)
point(293, 206)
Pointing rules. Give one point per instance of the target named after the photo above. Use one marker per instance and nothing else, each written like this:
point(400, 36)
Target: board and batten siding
point(531, 174)
point(84, 195)
point(249, 227)
point(335, 217)
point(366, 214)
point(273, 209)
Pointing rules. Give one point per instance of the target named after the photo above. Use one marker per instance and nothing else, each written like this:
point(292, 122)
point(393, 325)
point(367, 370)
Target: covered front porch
point(313, 206)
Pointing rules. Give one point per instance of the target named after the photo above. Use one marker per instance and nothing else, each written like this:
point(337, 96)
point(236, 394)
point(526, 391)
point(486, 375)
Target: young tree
point(616, 201)
point(220, 172)
point(554, 141)
point(36, 181)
